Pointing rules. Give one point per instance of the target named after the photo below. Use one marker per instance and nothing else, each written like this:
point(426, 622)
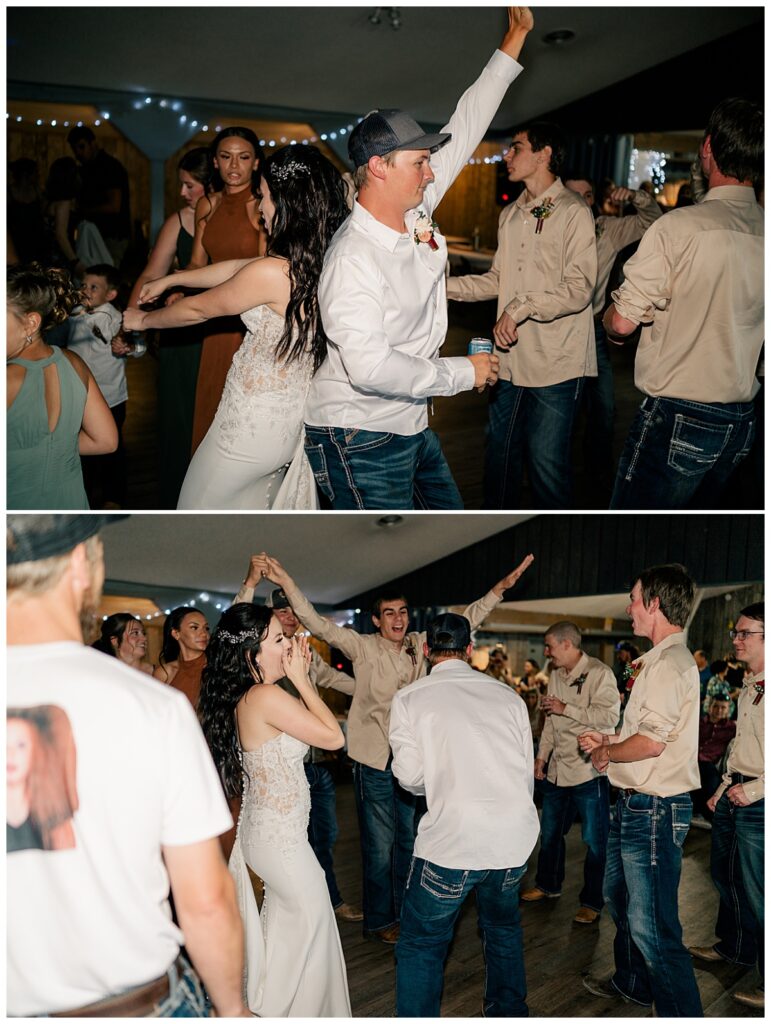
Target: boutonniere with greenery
point(579, 682)
point(410, 649)
point(632, 672)
point(546, 209)
point(759, 687)
point(424, 231)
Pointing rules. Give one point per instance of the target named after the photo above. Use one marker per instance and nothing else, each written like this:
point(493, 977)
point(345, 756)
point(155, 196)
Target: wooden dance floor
point(557, 951)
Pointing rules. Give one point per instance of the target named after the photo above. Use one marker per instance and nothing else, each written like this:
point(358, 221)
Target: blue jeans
point(387, 832)
point(186, 996)
point(432, 902)
point(322, 823)
point(368, 469)
point(642, 876)
point(533, 427)
point(681, 454)
point(560, 803)
point(600, 414)
point(737, 871)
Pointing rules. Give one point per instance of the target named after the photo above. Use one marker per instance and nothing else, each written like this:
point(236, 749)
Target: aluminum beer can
point(477, 345)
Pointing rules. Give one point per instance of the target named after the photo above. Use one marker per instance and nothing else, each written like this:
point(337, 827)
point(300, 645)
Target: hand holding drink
point(486, 363)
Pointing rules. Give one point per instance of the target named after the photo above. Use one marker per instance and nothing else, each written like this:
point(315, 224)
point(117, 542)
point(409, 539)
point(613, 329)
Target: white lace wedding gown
point(294, 960)
point(253, 454)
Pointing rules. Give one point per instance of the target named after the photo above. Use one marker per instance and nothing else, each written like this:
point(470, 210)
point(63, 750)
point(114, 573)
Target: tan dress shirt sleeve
point(347, 640)
point(659, 716)
point(574, 287)
point(647, 285)
point(325, 675)
point(546, 742)
point(244, 596)
point(478, 287)
point(477, 612)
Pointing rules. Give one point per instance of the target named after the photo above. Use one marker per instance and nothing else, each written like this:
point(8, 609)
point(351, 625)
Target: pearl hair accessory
point(288, 170)
point(238, 638)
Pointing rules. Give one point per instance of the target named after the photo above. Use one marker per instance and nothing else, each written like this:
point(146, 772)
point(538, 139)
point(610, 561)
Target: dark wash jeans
point(737, 871)
point(560, 803)
point(432, 902)
point(322, 823)
point(368, 469)
point(681, 454)
point(600, 402)
point(642, 876)
point(533, 427)
point(387, 833)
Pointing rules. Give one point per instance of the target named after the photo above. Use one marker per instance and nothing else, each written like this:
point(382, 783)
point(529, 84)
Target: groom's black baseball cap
point(383, 131)
point(30, 538)
point(449, 632)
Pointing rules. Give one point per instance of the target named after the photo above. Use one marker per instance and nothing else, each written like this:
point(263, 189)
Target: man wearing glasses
point(738, 825)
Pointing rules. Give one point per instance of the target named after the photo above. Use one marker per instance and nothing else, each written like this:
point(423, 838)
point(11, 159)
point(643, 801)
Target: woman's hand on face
point(296, 662)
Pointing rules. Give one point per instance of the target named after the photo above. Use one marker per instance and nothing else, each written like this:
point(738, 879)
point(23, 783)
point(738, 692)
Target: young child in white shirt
point(95, 334)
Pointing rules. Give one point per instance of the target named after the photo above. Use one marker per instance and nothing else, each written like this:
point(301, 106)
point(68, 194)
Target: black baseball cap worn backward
point(449, 632)
point(383, 131)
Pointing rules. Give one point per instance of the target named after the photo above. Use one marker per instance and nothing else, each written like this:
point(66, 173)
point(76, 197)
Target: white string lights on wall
point(202, 599)
point(184, 118)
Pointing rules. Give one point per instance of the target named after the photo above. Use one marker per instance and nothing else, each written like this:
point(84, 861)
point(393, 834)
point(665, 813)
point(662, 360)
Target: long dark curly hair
point(308, 193)
point(225, 680)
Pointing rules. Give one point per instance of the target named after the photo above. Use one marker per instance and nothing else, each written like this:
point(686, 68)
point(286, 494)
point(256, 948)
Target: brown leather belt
point(137, 1002)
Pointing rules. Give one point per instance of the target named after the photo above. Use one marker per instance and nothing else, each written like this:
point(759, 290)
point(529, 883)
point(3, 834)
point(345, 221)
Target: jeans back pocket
point(695, 446)
point(681, 822)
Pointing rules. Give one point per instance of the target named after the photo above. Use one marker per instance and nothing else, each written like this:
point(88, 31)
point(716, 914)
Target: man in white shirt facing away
point(463, 739)
point(382, 298)
point(113, 798)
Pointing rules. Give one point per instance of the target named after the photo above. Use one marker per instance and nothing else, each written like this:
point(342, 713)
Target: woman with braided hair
point(55, 410)
point(253, 454)
point(258, 735)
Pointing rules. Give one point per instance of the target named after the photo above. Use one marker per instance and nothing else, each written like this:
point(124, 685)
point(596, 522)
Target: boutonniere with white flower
point(546, 209)
point(424, 231)
point(760, 688)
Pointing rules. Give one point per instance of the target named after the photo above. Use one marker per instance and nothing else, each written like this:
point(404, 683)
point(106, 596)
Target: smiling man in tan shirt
point(696, 284)
point(543, 275)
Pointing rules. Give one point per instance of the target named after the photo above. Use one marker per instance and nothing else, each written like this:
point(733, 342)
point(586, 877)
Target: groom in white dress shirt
point(463, 739)
point(383, 302)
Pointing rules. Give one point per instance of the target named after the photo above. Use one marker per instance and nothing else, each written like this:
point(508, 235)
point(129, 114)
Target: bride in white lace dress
point(258, 735)
point(253, 455)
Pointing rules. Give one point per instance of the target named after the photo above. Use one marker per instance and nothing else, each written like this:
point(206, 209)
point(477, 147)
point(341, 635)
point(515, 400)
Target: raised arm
point(477, 107)
point(260, 282)
point(347, 640)
point(477, 612)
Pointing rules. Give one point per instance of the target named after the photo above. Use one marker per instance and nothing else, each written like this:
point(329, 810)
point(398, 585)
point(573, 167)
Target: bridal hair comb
point(290, 169)
point(238, 638)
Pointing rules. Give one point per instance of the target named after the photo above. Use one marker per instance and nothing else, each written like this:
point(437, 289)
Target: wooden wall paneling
point(577, 528)
point(755, 551)
point(470, 202)
point(738, 542)
point(696, 549)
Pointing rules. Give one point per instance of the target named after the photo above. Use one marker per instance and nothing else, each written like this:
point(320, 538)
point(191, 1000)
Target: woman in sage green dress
point(55, 410)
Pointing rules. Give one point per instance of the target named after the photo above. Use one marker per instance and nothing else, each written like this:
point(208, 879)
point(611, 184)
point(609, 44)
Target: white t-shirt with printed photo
point(115, 765)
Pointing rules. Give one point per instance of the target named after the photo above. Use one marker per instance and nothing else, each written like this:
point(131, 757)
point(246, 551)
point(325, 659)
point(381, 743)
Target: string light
point(647, 165)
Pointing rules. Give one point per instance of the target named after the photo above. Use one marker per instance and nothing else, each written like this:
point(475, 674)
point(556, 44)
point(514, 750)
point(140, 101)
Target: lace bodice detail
point(257, 385)
point(276, 803)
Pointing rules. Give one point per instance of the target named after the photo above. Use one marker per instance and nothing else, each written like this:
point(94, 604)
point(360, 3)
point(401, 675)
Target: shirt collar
point(732, 193)
point(381, 233)
point(551, 193)
point(668, 641)
point(757, 678)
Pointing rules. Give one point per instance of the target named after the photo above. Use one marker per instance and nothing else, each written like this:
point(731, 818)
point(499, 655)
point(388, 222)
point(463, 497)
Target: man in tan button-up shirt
point(696, 284)
point(582, 694)
point(653, 761)
point(739, 822)
point(383, 663)
point(543, 275)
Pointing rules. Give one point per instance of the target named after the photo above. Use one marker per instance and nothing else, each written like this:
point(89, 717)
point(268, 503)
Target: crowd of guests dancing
point(444, 772)
point(301, 328)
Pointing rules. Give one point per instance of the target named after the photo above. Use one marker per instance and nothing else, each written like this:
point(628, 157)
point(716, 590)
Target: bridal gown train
point(294, 959)
point(253, 455)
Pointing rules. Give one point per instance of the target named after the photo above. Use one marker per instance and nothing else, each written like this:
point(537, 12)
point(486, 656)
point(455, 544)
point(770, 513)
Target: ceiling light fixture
point(387, 521)
point(393, 14)
point(559, 37)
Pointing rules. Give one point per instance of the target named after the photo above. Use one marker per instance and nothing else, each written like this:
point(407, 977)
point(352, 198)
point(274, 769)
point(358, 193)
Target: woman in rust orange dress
point(183, 657)
point(227, 227)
